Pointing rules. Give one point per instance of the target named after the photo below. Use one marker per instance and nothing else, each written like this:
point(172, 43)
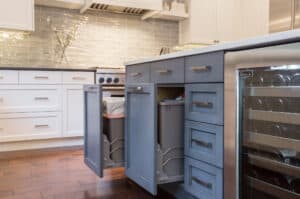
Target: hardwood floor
point(63, 175)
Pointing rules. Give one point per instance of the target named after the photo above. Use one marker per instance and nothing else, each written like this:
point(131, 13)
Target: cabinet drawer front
point(202, 180)
point(138, 73)
point(78, 77)
point(204, 103)
point(28, 99)
point(9, 77)
point(40, 77)
point(205, 68)
point(204, 142)
point(15, 127)
point(170, 71)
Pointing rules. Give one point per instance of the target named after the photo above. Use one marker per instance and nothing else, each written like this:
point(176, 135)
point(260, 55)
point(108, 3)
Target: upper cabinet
point(215, 21)
point(17, 15)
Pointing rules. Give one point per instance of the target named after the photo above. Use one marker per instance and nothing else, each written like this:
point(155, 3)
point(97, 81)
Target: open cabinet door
point(93, 135)
point(141, 135)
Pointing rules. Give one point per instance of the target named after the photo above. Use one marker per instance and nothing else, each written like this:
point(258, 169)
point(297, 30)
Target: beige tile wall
point(93, 39)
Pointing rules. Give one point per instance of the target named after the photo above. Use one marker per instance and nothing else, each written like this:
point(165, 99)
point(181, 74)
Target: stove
point(110, 76)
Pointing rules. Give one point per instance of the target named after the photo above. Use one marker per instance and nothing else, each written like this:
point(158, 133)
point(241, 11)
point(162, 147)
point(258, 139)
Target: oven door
point(262, 123)
point(93, 127)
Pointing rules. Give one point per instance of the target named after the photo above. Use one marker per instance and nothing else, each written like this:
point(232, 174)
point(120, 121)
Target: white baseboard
point(41, 144)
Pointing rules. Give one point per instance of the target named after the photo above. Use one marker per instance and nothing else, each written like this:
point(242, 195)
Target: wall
point(66, 38)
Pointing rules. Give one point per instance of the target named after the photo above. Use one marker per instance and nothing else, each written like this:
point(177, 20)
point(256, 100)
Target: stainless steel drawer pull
point(202, 183)
point(41, 126)
point(203, 104)
point(41, 77)
point(201, 68)
point(78, 78)
point(164, 71)
point(41, 98)
point(135, 74)
point(138, 89)
point(204, 144)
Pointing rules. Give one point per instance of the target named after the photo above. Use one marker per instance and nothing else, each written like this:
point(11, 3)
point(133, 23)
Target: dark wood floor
point(63, 175)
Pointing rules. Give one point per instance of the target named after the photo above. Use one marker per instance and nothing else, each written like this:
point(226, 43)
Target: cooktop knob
point(116, 80)
point(101, 80)
point(109, 80)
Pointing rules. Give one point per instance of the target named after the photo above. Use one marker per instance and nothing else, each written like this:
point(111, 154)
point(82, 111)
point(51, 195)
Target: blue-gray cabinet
point(141, 135)
point(93, 136)
point(199, 79)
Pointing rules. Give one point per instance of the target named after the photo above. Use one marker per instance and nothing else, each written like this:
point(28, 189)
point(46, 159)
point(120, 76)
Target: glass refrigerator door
point(269, 129)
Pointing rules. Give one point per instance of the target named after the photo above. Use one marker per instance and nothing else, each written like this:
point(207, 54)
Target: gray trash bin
point(114, 129)
point(171, 136)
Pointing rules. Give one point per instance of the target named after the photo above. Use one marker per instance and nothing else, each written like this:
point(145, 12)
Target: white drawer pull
point(41, 126)
point(41, 98)
point(78, 78)
point(201, 68)
point(41, 77)
point(135, 74)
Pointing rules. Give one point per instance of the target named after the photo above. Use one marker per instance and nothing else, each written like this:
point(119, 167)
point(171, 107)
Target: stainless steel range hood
point(136, 7)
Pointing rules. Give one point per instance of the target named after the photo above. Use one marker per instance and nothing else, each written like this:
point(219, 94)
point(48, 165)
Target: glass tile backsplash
point(65, 38)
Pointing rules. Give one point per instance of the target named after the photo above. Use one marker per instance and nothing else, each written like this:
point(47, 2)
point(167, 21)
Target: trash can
point(113, 120)
point(171, 136)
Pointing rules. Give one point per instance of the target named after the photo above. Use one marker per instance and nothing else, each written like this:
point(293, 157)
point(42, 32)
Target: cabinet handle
point(203, 104)
point(135, 74)
point(164, 71)
point(1, 99)
point(1, 77)
point(200, 68)
point(41, 77)
point(41, 126)
point(137, 89)
point(202, 143)
point(79, 78)
point(41, 98)
point(202, 183)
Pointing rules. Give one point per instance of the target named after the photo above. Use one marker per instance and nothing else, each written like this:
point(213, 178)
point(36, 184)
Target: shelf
point(271, 116)
point(272, 141)
point(166, 15)
point(274, 165)
point(270, 189)
point(279, 91)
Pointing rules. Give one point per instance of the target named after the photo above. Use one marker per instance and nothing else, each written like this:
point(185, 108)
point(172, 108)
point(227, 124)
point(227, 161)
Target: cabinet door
point(16, 14)
point(93, 136)
point(73, 110)
point(141, 135)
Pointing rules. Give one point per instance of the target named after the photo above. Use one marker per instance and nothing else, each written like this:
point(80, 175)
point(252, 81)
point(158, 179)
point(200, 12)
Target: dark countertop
point(90, 69)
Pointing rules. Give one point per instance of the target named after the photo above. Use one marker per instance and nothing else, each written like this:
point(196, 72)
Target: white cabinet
point(17, 14)
point(214, 21)
point(73, 110)
point(73, 114)
point(37, 104)
point(70, 4)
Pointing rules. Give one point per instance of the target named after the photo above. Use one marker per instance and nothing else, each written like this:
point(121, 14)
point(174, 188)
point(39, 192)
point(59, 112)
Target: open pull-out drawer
point(100, 151)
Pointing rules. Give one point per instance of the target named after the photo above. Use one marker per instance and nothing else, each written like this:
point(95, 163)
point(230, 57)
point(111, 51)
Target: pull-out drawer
point(205, 68)
point(205, 103)
point(138, 74)
point(204, 142)
point(9, 77)
point(28, 126)
point(202, 180)
point(169, 71)
point(40, 77)
point(78, 77)
point(28, 98)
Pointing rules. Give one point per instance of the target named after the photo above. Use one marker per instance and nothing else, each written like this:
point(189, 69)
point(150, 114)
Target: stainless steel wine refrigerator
point(262, 123)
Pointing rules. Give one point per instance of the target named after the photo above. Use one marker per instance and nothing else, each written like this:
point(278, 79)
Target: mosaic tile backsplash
point(65, 38)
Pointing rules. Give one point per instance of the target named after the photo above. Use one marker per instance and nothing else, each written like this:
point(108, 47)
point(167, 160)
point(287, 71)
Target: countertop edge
point(47, 69)
point(256, 42)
